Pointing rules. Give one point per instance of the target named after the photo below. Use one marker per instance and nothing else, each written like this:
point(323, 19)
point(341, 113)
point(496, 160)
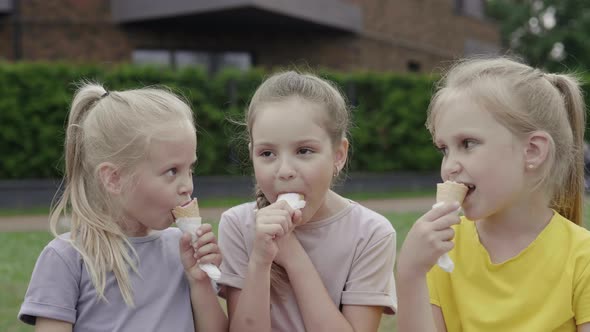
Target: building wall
point(396, 33)
point(424, 31)
point(76, 30)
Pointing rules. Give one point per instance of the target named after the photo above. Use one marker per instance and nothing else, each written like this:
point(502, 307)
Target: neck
point(332, 204)
point(133, 229)
point(527, 217)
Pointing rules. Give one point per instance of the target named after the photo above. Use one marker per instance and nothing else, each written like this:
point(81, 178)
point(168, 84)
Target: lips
point(470, 187)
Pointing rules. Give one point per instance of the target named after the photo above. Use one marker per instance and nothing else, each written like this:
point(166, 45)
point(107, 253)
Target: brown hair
point(524, 100)
point(288, 84)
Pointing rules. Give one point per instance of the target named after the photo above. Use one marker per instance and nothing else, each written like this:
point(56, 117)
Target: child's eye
point(467, 143)
point(305, 151)
point(172, 171)
point(265, 154)
point(442, 150)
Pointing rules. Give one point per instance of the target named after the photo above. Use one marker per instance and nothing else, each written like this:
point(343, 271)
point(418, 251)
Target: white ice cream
point(293, 200)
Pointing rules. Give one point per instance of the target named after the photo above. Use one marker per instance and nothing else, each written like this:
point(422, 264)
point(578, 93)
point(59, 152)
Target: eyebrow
point(299, 142)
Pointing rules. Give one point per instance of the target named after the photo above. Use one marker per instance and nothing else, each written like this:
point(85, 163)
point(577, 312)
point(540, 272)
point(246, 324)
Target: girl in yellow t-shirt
point(514, 136)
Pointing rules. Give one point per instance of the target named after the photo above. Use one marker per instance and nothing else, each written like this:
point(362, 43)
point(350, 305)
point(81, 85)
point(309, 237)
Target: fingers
point(204, 228)
point(185, 243)
point(297, 217)
point(275, 219)
point(186, 251)
point(442, 216)
point(446, 234)
point(445, 222)
point(439, 210)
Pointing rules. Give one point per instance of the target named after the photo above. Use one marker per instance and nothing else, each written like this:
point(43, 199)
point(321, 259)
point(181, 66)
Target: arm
point(414, 306)
point(207, 312)
point(428, 239)
point(51, 325)
point(584, 327)
point(317, 308)
point(249, 308)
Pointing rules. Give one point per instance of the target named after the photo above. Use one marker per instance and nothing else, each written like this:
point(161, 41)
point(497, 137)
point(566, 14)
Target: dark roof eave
point(329, 13)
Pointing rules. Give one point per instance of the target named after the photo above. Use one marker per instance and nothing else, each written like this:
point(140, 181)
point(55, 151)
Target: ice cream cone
point(188, 219)
point(187, 211)
point(449, 192)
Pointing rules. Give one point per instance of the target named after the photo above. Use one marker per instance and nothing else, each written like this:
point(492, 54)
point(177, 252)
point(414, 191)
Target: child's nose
point(186, 186)
point(286, 170)
point(450, 166)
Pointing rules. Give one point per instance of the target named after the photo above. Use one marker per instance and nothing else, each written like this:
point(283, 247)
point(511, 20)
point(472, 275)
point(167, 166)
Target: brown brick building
point(387, 35)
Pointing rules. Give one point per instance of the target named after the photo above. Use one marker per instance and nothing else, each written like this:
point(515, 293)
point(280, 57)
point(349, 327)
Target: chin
point(469, 213)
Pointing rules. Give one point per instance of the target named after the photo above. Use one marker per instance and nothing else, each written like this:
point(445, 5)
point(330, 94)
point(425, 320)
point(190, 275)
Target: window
point(211, 61)
point(152, 57)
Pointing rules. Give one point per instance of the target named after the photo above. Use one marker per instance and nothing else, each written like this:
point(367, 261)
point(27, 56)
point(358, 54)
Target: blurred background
point(385, 55)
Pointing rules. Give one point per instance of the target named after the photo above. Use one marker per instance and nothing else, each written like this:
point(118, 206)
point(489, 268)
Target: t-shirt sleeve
point(433, 293)
point(53, 289)
point(370, 280)
point(232, 245)
point(581, 296)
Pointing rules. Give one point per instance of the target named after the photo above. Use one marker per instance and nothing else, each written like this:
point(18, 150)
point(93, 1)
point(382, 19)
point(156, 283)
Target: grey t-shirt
point(61, 289)
point(353, 252)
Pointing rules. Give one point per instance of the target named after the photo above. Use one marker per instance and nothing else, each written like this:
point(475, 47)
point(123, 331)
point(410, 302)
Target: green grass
point(20, 250)
point(18, 256)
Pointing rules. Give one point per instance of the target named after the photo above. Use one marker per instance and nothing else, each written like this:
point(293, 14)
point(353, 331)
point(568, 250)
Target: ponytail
point(279, 279)
point(568, 200)
point(94, 233)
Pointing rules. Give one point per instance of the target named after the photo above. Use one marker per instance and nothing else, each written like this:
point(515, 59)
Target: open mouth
point(470, 189)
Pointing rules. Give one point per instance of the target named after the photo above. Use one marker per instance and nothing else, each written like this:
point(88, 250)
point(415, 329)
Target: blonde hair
point(285, 85)
point(113, 127)
point(524, 100)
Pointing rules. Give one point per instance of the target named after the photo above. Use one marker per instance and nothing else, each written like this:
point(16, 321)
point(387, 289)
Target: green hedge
point(388, 115)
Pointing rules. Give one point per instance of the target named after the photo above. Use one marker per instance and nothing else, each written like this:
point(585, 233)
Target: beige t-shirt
point(352, 251)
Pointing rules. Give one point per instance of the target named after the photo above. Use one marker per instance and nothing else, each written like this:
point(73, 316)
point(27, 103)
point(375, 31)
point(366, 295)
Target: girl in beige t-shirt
point(326, 266)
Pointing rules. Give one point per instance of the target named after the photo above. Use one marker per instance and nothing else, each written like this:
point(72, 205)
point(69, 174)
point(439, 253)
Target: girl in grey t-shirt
point(129, 160)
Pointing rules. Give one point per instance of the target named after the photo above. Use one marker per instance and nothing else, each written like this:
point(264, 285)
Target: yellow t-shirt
point(546, 287)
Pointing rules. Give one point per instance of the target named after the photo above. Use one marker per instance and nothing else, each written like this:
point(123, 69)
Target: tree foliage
point(552, 34)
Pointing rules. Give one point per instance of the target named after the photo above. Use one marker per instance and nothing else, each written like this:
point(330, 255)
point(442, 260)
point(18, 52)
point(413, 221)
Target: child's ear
point(110, 177)
point(341, 154)
point(536, 150)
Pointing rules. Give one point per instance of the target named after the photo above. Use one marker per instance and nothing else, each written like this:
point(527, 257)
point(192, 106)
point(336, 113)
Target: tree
point(552, 34)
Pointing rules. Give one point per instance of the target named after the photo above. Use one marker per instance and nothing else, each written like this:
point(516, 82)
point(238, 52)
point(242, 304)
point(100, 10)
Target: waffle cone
point(450, 191)
point(190, 210)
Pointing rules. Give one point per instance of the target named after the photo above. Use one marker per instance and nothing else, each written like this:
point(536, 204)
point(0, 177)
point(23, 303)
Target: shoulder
point(60, 252)
point(245, 211)
point(574, 236)
point(238, 218)
point(62, 247)
point(170, 234)
point(365, 226)
point(370, 220)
